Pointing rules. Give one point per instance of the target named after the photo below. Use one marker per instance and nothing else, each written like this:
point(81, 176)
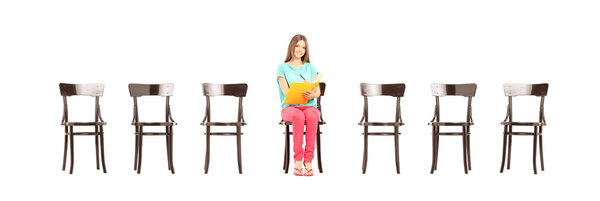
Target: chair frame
point(236, 90)
point(93, 90)
point(512, 90)
point(393, 90)
point(440, 90)
point(164, 90)
point(287, 133)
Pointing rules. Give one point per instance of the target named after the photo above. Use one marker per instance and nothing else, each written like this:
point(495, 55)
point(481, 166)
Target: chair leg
point(469, 150)
point(168, 150)
point(509, 149)
point(102, 149)
point(96, 139)
point(207, 157)
point(239, 150)
point(433, 145)
point(287, 145)
point(541, 153)
point(464, 136)
point(397, 152)
point(437, 150)
point(503, 150)
point(319, 149)
point(172, 167)
point(535, 137)
point(365, 151)
point(137, 142)
point(140, 142)
point(72, 148)
point(65, 152)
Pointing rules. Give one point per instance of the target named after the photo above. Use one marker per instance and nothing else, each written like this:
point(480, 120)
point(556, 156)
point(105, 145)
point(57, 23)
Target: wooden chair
point(440, 90)
point(140, 90)
point(393, 90)
point(236, 90)
point(513, 90)
point(96, 91)
point(287, 133)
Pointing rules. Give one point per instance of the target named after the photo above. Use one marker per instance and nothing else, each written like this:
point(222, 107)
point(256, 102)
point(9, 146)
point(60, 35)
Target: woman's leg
point(312, 115)
point(296, 116)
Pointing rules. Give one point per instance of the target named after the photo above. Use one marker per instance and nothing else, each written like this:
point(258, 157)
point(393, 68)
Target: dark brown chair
point(236, 90)
point(440, 90)
point(164, 90)
point(513, 90)
point(393, 90)
point(287, 133)
point(94, 90)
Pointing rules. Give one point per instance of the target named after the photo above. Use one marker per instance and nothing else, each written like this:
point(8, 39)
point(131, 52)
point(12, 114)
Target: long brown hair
point(292, 46)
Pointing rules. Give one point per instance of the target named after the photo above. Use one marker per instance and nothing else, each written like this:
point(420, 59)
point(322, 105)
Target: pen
point(302, 77)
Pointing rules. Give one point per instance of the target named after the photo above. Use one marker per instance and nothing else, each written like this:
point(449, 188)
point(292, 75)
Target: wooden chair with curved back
point(93, 90)
point(393, 90)
point(164, 90)
point(512, 90)
point(441, 90)
point(235, 90)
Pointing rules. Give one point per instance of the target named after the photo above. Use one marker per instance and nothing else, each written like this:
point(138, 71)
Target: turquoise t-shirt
point(292, 74)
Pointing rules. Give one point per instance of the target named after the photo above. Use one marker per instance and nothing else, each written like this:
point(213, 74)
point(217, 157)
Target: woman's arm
point(283, 85)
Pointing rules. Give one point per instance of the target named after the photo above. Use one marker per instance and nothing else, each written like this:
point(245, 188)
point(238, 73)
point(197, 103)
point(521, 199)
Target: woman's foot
point(309, 171)
point(298, 168)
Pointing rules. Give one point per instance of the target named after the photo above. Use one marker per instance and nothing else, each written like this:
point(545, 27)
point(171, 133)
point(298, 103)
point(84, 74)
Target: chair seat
point(380, 123)
point(382, 133)
point(224, 133)
point(83, 123)
point(450, 124)
point(522, 123)
point(154, 133)
point(154, 123)
point(522, 133)
point(223, 124)
point(289, 123)
point(453, 133)
point(84, 133)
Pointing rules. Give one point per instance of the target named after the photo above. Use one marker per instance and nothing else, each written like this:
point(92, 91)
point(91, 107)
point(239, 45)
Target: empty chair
point(512, 90)
point(139, 90)
point(393, 90)
point(440, 90)
point(287, 133)
point(93, 90)
point(236, 90)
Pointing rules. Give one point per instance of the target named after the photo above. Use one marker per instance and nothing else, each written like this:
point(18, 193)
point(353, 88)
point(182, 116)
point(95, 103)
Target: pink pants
point(299, 115)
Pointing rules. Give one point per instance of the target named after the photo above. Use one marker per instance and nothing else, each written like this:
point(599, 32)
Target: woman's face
point(300, 49)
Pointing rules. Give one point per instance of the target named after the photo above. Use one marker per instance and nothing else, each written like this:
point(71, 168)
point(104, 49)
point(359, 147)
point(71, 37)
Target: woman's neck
point(296, 62)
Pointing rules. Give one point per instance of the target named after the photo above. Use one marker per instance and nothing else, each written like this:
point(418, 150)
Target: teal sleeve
point(280, 72)
point(313, 71)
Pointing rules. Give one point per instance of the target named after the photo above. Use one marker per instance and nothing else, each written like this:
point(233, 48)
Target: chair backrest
point(95, 90)
point(394, 90)
point(139, 90)
point(467, 90)
point(512, 89)
point(236, 90)
point(440, 90)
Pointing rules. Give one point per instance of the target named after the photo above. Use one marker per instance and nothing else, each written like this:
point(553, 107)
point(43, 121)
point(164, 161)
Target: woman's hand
point(309, 94)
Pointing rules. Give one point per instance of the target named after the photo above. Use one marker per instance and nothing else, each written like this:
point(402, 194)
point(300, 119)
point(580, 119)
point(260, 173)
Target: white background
point(43, 43)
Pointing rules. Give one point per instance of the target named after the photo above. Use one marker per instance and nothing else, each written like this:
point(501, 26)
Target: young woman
point(297, 68)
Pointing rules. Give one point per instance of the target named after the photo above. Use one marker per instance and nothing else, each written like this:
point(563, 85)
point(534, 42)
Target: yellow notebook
point(294, 95)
